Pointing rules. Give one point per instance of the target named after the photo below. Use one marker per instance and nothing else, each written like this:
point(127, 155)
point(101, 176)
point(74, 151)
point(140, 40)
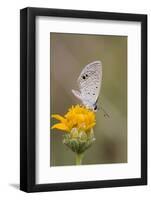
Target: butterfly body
point(89, 83)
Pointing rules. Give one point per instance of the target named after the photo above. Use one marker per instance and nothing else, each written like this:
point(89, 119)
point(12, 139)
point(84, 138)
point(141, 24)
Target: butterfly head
point(95, 108)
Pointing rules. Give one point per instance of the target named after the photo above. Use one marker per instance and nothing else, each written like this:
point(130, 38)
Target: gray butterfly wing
point(89, 82)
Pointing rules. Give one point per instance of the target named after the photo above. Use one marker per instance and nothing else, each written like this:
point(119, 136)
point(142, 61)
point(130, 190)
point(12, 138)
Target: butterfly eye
point(95, 108)
point(83, 77)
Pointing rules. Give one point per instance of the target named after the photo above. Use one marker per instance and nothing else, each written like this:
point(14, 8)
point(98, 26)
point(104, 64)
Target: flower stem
point(79, 158)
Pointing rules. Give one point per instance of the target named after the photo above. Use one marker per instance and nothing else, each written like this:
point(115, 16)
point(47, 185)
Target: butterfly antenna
point(105, 113)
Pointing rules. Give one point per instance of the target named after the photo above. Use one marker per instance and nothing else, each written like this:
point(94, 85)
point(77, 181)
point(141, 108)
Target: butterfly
point(89, 84)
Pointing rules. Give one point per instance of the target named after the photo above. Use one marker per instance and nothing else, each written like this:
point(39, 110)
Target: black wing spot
point(93, 94)
point(85, 76)
point(96, 87)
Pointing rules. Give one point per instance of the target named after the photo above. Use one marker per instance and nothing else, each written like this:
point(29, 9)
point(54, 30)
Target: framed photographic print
point(83, 99)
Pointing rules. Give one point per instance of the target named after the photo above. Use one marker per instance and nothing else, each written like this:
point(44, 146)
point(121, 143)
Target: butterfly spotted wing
point(89, 83)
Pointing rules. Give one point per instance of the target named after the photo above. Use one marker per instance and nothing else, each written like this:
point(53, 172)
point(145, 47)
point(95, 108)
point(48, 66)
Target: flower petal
point(90, 126)
point(77, 117)
point(60, 126)
point(58, 117)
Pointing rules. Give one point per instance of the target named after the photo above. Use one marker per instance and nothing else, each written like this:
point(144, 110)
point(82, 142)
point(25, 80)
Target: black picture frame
point(28, 99)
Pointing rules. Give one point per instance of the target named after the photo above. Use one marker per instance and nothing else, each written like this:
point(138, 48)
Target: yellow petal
point(60, 126)
point(77, 117)
point(90, 126)
point(81, 117)
point(58, 117)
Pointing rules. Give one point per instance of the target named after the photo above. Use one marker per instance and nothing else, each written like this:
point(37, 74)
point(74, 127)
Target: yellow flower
point(78, 117)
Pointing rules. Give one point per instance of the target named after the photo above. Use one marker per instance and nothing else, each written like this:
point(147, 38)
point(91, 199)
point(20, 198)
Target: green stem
point(79, 159)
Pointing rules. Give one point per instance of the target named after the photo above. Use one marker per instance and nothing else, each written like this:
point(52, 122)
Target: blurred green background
point(69, 54)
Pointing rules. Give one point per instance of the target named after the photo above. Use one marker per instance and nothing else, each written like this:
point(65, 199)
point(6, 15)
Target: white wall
point(9, 98)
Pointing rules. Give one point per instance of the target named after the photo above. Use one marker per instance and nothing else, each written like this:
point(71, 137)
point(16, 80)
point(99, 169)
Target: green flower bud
point(78, 140)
